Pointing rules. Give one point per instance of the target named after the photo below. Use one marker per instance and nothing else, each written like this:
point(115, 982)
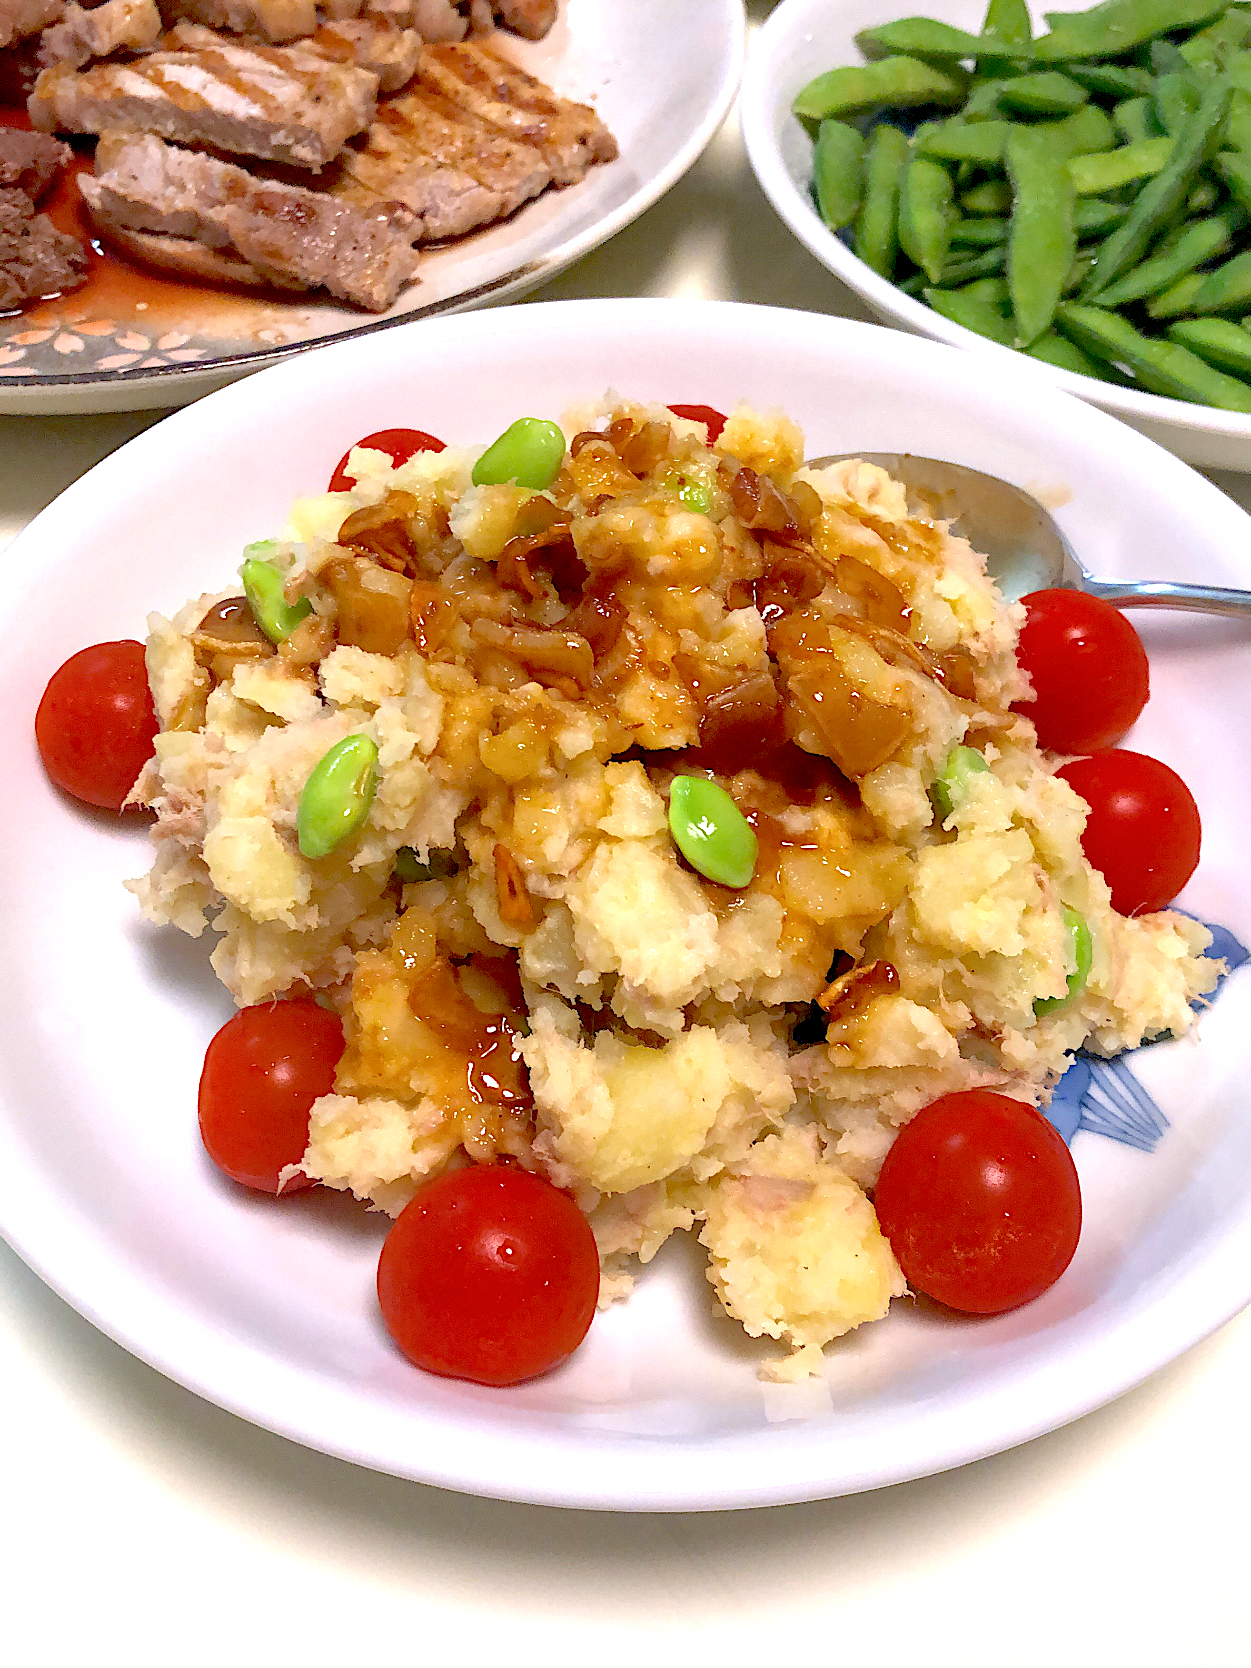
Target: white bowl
point(267, 1307)
point(800, 40)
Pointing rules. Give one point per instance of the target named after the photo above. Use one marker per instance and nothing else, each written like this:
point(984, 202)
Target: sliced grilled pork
point(19, 18)
point(450, 168)
point(570, 136)
point(387, 52)
point(82, 35)
point(434, 20)
point(531, 18)
point(30, 161)
point(35, 259)
point(284, 234)
point(273, 20)
point(282, 103)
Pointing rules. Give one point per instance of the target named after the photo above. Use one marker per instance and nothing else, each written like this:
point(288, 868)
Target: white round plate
point(800, 40)
point(267, 1307)
point(661, 76)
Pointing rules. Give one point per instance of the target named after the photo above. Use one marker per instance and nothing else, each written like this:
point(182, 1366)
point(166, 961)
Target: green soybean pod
point(1162, 199)
point(1178, 300)
point(711, 832)
point(1081, 954)
point(1160, 367)
point(1235, 169)
point(1238, 121)
point(957, 141)
point(1203, 197)
point(1084, 132)
point(982, 104)
point(1165, 59)
point(1221, 342)
point(1192, 246)
point(1114, 28)
point(922, 37)
point(1057, 350)
point(1174, 101)
point(876, 236)
point(950, 788)
point(989, 264)
point(972, 312)
point(979, 234)
point(1117, 81)
point(990, 197)
point(337, 795)
point(529, 453)
point(1208, 48)
point(926, 213)
point(1008, 20)
point(1227, 289)
point(1042, 239)
point(894, 83)
point(1097, 175)
point(838, 172)
point(1094, 217)
point(1134, 119)
point(1045, 93)
point(264, 588)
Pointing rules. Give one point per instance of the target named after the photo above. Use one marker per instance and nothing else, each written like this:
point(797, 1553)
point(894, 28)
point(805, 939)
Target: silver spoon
point(1024, 548)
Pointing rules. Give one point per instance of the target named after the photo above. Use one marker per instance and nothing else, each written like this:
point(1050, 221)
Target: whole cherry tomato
point(96, 723)
point(980, 1202)
point(1088, 668)
point(1143, 833)
point(489, 1274)
point(400, 444)
point(714, 419)
point(262, 1072)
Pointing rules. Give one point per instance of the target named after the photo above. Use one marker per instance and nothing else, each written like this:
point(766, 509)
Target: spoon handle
point(1163, 593)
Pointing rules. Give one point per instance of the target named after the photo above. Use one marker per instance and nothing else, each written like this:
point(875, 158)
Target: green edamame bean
point(1084, 132)
point(1008, 20)
point(1160, 367)
point(337, 796)
point(1174, 101)
point(950, 788)
point(983, 102)
point(1227, 289)
point(1097, 175)
point(410, 869)
point(1094, 217)
point(1082, 955)
point(1209, 48)
point(838, 172)
point(263, 587)
point(1176, 301)
point(1042, 237)
point(971, 312)
point(1057, 350)
point(894, 83)
point(1221, 342)
point(989, 264)
point(1190, 247)
point(1238, 121)
point(926, 213)
point(1134, 120)
point(1118, 81)
point(876, 237)
point(959, 141)
point(979, 234)
point(990, 197)
point(711, 832)
point(922, 37)
point(1046, 93)
point(1117, 26)
point(1162, 199)
point(529, 453)
point(694, 494)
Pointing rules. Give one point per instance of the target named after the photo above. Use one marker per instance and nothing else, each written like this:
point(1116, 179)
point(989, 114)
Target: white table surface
point(134, 1516)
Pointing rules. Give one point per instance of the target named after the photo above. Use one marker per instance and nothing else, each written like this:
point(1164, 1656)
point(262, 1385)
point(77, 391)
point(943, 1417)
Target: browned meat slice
point(82, 35)
point(189, 259)
point(282, 103)
point(30, 161)
point(451, 169)
point(19, 18)
point(389, 53)
point(531, 18)
point(286, 234)
point(35, 259)
point(570, 136)
point(272, 20)
point(434, 20)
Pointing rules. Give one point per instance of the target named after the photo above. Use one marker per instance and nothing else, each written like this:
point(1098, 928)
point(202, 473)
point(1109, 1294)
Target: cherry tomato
point(1143, 832)
point(980, 1202)
point(1088, 668)
point(401, 444)
point(702, 414)
point(96, 723)
point(262, 1072)
point(489, 1274)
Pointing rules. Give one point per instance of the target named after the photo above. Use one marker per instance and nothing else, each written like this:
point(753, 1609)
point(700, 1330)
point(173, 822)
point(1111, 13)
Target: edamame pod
point(1191, 247)
point(1235, 169)
point(1046, 93)
point(1008, 20)
point(894, 83)
point(711, 832)
point(1161, 367)
point(1114, 28)
point(1082, 955)
point(990, 197)
point(1176, 301)
point(1118, 81)
point(1238, 121)
point(926, 213)
point(971, 312)
point(1209, 48)
point(979, 234)
point(922, 37)
point(263, 587)
point(1160, 201)
point(1057, 350)
point(1134, 120)
point(958, 141)
point(950, 788)
point(1227, 290)
point(988, 264)
point(1221, 342)
point(337, 796)
point(1042, 238)
point(1096, 175)
point(1094, 217)
point(876, 237)
point(1174, 101)
point(528, 453)
point(838, 172)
